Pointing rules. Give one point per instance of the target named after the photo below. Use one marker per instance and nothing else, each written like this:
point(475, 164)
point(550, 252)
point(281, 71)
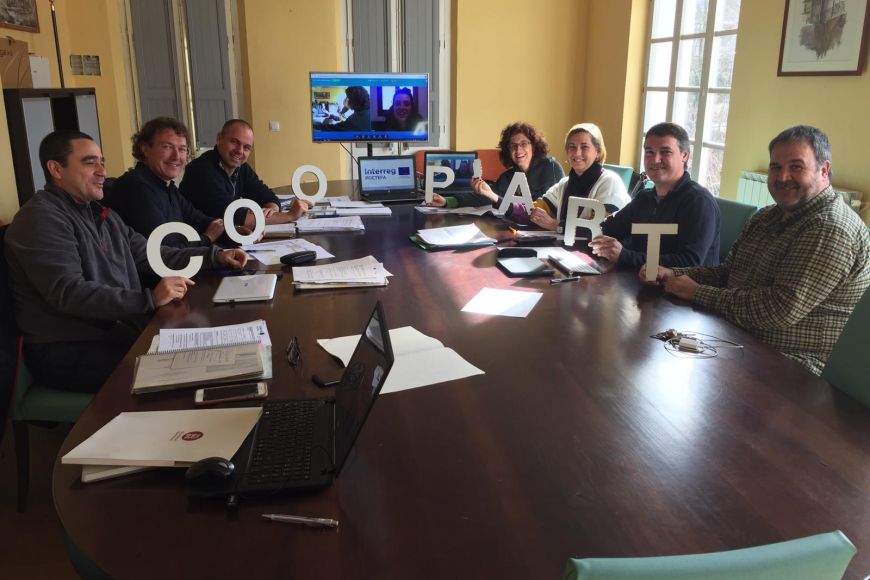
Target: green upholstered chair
point(848, 367)
point(820, 557)
point(626, 173)
point(31, 402)
point(733, 215)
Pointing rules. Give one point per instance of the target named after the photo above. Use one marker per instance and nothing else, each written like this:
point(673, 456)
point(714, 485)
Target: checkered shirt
point(792, 279)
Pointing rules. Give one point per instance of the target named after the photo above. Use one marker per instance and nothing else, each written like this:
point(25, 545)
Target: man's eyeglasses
point(520, 145)
point(293, 352)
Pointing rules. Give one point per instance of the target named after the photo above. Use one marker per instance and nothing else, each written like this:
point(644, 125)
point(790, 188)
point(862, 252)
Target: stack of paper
point(344, 207)
point(465, 236)
point(420, 360)
point(478, 211)
point(359, 273)
point(269, 253)
point(336, 224)
point(176, 339)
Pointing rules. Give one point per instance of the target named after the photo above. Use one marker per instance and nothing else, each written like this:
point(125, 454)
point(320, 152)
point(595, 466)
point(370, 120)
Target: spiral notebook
point(177, 369)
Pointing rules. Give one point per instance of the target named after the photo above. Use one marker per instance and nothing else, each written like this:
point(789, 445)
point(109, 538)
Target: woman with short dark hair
point(521, 148)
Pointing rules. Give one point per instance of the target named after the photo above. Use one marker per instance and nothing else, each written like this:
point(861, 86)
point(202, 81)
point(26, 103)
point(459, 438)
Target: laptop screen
point(388, 173)
point(361, 382)
point(462, 164)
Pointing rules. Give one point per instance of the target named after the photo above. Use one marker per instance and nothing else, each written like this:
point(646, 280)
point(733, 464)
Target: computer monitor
point(367, 107)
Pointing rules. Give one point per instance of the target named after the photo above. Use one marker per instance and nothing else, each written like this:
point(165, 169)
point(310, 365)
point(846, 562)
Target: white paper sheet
point(336, 224)
point(454, 236)
point(363, 270)
point(503, 302)
point(420, 360)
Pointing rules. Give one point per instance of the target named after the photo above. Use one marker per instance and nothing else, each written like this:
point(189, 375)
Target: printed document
point(514, 303)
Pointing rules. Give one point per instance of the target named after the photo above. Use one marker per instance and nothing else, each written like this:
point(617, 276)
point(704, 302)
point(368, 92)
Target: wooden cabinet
point(31, 114)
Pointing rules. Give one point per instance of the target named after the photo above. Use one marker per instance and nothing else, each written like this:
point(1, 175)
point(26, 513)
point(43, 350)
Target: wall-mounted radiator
point(752, 189)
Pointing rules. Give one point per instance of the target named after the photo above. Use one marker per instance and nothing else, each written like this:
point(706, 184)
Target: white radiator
point(752, 189)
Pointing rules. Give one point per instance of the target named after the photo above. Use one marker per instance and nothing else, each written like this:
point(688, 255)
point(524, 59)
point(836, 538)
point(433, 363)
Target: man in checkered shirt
point(799, 267)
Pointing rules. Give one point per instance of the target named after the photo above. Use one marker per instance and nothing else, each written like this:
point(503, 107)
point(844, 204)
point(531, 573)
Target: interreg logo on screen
point(385, 174)
point(155, 240)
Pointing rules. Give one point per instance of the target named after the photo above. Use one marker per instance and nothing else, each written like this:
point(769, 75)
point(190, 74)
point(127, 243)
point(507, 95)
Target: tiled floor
point(31, 544)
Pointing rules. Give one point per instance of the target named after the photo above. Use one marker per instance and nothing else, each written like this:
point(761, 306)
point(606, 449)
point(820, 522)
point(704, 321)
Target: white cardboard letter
point(478, 169)
point(155, 260)
point(576, 205)
point(259, 225)
point(321, 183)
point(431, 170)
point(520, 182)
point(653, 244)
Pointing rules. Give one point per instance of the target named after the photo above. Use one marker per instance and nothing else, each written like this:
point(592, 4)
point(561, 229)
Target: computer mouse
point(299, 258)
point(209, 469)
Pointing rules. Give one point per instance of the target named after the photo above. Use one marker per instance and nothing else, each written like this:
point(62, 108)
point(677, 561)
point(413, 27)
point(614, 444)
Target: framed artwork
point(19, 14)
point(823, 37)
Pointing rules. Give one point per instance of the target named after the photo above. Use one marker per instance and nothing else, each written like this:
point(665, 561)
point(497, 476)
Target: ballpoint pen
point(305, 521)
point(565, 279)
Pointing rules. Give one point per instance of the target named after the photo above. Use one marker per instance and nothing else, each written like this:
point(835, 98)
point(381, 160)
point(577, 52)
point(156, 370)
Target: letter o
point(321, 183)
point(259, 225)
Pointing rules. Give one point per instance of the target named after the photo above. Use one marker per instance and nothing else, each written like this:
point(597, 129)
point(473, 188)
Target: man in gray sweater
point(76, 271)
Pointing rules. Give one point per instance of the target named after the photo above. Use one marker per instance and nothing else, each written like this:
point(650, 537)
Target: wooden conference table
point(584, 438)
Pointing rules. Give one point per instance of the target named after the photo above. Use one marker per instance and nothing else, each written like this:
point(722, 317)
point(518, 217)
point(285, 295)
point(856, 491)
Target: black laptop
point(462, 164)
point(388, 178)
point(303, 443)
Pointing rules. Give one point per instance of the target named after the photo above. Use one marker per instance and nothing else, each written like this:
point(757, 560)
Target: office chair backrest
point(626, 173)
point(492, 165)
point(848, 366)
point(732, 216)
point(8, 336)
point(820, 557)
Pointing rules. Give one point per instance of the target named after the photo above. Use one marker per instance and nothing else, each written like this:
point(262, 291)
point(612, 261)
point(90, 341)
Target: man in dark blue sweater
point(676, 199)
point(218, 177)
point(146, 196)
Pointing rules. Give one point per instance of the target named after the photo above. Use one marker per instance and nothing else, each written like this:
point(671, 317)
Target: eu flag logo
point(404, 171)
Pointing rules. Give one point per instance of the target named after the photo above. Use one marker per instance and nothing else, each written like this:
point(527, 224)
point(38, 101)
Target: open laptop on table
point(388, 178)
point(462, 164)
point(303, 443)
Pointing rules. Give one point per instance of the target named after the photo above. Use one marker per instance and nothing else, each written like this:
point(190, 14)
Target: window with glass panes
point(688, 82)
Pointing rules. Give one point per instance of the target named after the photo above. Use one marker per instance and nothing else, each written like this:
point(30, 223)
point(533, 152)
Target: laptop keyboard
point(282, 448)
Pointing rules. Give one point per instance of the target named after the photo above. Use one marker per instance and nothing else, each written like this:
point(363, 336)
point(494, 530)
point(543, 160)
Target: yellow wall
point(763, 104)
point(282, 41)
point(8, 193)
point(94, 28)
point(518, 60)
point(615, 60)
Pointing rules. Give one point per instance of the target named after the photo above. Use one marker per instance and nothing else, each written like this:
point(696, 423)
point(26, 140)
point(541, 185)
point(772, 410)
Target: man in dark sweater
point(676, 199)
point(218, 177)
point(75, 271)
point(146, 196)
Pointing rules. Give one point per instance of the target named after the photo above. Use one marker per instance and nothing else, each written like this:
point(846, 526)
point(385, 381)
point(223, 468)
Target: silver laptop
point(246, 288)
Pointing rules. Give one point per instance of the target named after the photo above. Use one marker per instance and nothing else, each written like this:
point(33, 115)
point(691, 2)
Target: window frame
point(698, 143)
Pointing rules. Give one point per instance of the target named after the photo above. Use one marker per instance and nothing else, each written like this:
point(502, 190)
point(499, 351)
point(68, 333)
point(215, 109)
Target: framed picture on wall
point(823, 37)
point(19, 14)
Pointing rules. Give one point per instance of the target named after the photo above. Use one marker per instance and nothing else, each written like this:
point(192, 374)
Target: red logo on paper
point(191, 436)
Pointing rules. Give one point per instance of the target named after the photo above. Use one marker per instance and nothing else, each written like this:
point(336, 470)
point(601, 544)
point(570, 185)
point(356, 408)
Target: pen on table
point(313, 522)
point(322, 215)
point(565, 279)
point(260, 251)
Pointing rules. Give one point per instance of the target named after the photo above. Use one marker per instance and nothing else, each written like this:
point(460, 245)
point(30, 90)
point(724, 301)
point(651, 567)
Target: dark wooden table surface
point(584, 438)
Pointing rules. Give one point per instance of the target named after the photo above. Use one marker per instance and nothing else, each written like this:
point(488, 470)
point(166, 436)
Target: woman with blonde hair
point(584, 145)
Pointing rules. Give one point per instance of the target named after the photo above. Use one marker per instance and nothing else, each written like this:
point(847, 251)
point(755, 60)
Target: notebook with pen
point(303, 443)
